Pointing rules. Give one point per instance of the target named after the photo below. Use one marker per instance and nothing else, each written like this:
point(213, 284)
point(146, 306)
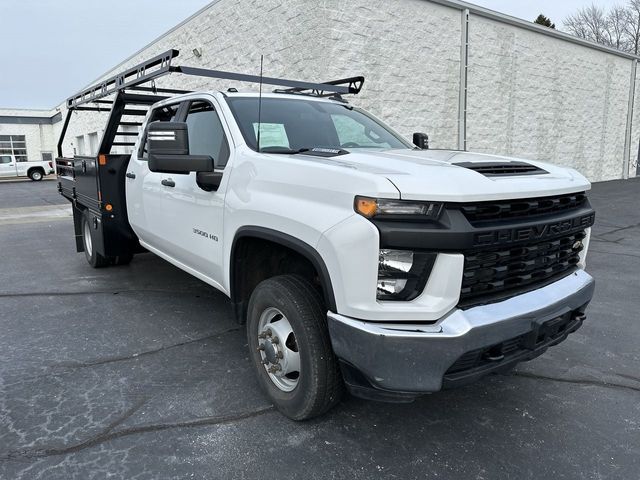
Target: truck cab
point(355, 258)
point(8, 166)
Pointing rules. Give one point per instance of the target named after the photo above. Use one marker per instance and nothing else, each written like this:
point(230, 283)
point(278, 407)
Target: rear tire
point(36, 175)
point(89, 240)
point(288, 306)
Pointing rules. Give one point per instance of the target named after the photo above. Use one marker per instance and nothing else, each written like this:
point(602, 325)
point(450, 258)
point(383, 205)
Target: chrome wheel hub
point(278, 348)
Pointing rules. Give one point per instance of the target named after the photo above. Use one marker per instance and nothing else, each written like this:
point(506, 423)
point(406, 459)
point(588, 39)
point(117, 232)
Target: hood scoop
point(502, 169)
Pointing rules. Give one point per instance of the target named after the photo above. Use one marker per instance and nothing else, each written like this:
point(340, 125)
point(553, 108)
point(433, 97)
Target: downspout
point(628, 133)
point(464, 67)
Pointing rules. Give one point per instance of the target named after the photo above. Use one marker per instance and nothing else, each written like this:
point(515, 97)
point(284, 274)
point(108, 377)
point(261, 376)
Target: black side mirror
point(421, 140)
point(169, 150)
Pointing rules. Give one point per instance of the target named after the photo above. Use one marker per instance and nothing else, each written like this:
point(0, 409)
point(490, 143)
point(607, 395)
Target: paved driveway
point(139, 372)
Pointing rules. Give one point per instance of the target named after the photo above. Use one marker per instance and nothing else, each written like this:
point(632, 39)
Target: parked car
point(354, 257)
point(36, 171)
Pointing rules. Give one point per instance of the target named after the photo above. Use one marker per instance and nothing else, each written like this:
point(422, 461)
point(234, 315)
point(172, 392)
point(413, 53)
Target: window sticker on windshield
point(271, 135)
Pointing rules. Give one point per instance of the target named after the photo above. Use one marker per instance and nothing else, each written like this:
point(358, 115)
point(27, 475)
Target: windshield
point(290, 125)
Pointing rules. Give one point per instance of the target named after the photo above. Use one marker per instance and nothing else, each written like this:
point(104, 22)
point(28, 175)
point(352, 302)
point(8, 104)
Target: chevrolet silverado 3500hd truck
point(355, 258)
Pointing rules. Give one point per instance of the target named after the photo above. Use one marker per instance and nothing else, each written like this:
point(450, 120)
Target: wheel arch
point(34, 168)
point(294, 244)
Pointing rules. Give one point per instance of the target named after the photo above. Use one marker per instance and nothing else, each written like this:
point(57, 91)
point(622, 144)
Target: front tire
point(290, 347)
point(89, 240)
point(36, 175)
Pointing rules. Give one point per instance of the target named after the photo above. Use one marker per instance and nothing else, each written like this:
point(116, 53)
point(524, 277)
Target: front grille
point(480, 212)
point(499, 169)
point(492, 275)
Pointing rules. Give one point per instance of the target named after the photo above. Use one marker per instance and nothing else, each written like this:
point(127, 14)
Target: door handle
point(168, 182)
point(130, 175)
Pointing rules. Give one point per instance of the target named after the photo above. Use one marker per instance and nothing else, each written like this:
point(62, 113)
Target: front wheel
point(290, 347)
point(35, 175)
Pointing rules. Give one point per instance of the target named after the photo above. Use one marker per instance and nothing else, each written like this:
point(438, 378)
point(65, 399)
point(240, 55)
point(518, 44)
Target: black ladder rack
point(132, 79)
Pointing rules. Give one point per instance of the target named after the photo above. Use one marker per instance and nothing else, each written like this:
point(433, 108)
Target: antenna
point(259, 106)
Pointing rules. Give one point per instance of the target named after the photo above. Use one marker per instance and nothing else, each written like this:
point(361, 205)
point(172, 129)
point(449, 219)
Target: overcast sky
point(52, 48)
point(557, 10)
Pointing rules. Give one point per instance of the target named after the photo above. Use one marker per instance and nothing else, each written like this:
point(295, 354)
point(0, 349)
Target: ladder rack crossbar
point(141, 73)
point(336, 86)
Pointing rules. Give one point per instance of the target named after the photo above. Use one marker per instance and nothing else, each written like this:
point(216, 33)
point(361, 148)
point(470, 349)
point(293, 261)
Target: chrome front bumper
point(410, 359)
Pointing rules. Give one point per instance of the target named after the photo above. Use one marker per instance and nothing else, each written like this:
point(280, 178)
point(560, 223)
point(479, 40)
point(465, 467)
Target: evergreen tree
point(542, 20)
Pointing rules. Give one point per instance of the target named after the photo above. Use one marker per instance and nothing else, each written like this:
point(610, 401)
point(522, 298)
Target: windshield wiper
point(316, 151)
point(283, 150)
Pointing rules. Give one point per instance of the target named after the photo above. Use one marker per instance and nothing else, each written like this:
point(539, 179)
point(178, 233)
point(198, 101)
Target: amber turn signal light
point(366, 207)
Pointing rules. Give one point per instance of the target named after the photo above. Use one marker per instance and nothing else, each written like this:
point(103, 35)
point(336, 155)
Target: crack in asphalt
point(578, 381)
point(108, 434)
point(629, 377)
point(591, 250)
point(124, 358)
point(626, 227)
point(133, 356)
point(597, 238)
point(102, 292)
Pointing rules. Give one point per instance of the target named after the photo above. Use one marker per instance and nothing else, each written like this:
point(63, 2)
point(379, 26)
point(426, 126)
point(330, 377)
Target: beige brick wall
point(542, 98)
point(530, 95)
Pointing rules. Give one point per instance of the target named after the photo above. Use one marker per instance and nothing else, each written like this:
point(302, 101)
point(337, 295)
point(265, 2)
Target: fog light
point(402, 274)
point(391, 286)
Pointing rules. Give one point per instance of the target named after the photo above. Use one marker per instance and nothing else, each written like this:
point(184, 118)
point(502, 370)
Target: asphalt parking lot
point(139, 372)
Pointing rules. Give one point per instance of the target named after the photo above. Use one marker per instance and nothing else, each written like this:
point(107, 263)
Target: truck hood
point(433, 175)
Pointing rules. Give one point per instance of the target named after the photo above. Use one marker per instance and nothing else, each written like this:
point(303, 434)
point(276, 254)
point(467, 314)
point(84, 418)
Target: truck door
point(7, 166)
point(144, 190)
point(192, 214)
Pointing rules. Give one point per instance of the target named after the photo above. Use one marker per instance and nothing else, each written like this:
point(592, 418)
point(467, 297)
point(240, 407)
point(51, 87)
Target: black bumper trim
point(529, 349)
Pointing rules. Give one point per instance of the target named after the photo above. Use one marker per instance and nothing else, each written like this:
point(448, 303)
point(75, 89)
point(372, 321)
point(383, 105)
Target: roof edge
point(518, 22)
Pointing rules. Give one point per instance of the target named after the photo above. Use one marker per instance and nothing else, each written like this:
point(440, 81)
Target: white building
point(469, 77)
point(29, 134)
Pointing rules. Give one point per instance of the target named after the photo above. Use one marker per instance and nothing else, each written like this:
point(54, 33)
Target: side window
point(206, 135)
point(166, 113)
point(5, 159)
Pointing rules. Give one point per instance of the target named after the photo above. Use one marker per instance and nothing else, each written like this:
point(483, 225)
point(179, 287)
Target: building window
point(93, 144)
point(47, 157)
point(80, 145)
point(15, 145)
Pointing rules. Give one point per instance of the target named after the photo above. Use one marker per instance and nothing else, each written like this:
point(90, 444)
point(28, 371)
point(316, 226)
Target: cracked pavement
point(140, 372)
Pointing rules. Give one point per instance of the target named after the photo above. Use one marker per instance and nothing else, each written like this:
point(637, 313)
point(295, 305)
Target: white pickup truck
point(354, 257)
point(36, 171)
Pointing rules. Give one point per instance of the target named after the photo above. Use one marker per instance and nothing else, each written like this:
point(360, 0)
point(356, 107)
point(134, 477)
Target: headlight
point(403, 274)
point(380, 207)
